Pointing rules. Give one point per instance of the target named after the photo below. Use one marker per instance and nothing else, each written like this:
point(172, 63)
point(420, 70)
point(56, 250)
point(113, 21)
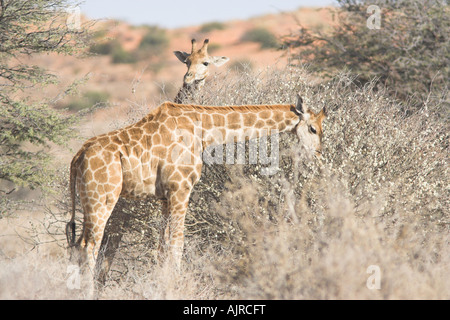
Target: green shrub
point(409, 52)
point(263, 36)
point(210, 26)
point(154, 41)
point(119, 55)
point(213, 47)
point(104, 47)
point(114, 49)
point(89, 99)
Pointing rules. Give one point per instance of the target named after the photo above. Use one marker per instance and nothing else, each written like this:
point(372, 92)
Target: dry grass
point(311, 231)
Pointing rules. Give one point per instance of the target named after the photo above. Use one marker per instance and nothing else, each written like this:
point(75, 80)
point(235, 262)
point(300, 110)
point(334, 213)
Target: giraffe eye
point(312, 129)
point(205, 64)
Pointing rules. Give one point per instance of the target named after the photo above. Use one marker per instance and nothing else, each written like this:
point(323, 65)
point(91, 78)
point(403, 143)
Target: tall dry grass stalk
point(313, 230)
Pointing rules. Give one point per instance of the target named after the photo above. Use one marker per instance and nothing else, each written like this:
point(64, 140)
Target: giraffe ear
point(300, 107)
point(219, 61)
point(181, 55)
point(323, 113)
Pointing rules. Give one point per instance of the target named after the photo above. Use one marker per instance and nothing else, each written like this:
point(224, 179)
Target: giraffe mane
point(239, 108)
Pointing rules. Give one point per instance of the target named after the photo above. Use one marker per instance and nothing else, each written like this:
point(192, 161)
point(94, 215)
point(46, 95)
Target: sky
point(182, 13)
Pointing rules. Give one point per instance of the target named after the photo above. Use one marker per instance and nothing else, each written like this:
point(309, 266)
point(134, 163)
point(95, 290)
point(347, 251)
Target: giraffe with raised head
point(161, 156)
point(197, 62)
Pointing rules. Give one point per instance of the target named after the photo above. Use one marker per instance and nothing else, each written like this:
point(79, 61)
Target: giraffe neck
point(225, 124)
point(248, 122)
point(188, 91)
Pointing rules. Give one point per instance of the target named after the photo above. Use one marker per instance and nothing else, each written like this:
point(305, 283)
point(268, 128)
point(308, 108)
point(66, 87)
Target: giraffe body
point(161, 156)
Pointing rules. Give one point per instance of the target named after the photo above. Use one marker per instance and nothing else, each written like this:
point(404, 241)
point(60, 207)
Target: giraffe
point(197, 62)
point(161, 156)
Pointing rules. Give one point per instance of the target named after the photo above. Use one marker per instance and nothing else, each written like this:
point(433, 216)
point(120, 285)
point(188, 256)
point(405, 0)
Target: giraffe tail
point(70, 227)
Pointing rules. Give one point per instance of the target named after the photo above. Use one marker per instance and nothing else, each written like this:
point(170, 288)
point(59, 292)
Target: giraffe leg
point(96, 216)
point(114, 230)
point(176, 236)
point(172, 233)
point(164, 231)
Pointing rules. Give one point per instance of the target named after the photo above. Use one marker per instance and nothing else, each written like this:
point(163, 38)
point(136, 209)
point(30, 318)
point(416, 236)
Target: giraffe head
point(309, 129)
point(198, 62)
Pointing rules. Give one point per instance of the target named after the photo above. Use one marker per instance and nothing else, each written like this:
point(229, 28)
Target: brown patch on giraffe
point(145, 157)
point(112, 147)
point(185, 170)
point(92, 185)
point(171, 124)
point(101, 188)
point(162, 117)
point(115, 140)
point(174, 111)
point(104, 141)
point(207, 121)
point(159, 151)
point(124, 137)
point(234, 126)
point(265, 114)
point(278, 116)
point(185, 123)
point(249, 119)
point(101, 176)
point(192, 115)
point(156, 139)
point(260, 124)
point(111, 186)
point(175, 176)
point(178, 206)
point(135, 133)
point(281, 126)
point(138, 150)
point(173, 186)
point(166, 134)
point(218, 120)
point(151, 127)
point(234, 121)
point(233, 118)
point(95, 163)
point(97, 207)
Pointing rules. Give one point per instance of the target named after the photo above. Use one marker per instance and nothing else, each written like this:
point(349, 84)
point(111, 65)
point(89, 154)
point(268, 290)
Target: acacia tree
point(407, 49)
point(28, 126)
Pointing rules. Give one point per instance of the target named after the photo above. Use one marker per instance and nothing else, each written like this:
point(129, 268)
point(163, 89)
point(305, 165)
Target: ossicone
point(300, 108)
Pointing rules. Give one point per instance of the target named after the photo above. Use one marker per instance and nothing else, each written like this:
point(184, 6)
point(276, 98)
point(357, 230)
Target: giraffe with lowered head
point(161, 156)
point(197, 62)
